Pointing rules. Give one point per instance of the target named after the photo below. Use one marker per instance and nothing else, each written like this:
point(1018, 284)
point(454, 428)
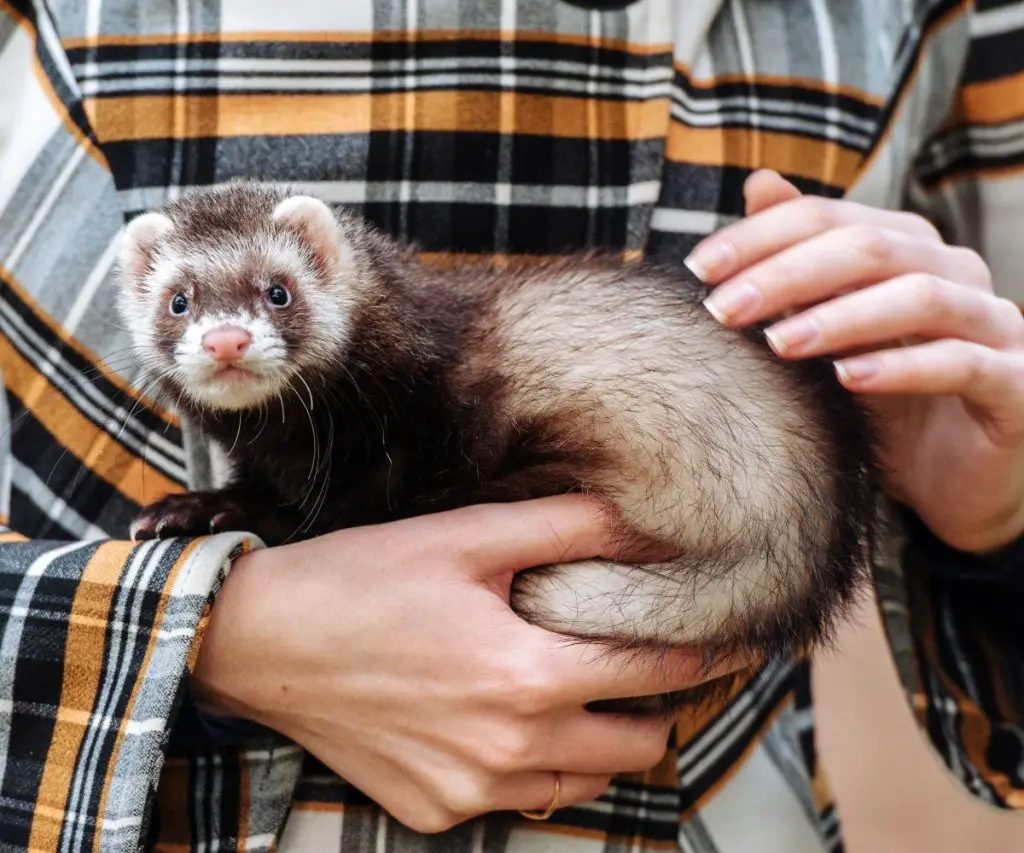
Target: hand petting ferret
point(918, 331)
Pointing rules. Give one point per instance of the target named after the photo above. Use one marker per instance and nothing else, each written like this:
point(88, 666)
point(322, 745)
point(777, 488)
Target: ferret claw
point(222, 521)
point(187, 515)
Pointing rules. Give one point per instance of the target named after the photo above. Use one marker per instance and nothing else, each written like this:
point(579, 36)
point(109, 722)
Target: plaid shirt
point(500, 127)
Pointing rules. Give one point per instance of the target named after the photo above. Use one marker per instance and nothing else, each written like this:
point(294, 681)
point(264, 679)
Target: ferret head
point(231, 292)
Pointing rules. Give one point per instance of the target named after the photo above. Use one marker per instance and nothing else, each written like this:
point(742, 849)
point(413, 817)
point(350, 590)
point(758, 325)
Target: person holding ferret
point(372, 687)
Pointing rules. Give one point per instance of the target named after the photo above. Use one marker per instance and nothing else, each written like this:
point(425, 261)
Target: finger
point(498, 539)
point(588, 742)
point(432, 797)
point(448, 799)
point(765, 188)
point(534, 791)
point(985, 378)
point(915, 305)
point(591, 672)
point(831, 263)
point(740, 245)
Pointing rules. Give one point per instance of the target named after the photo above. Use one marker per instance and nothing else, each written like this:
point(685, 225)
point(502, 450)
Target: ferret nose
point(226, 343)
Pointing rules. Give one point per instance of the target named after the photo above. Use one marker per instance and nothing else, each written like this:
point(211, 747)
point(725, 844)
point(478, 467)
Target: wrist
point(222, 682)
point(994, 559)
point(999, 536)
point(1005, 537)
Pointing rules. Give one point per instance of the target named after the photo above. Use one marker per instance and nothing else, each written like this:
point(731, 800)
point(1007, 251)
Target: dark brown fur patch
point(423, 411)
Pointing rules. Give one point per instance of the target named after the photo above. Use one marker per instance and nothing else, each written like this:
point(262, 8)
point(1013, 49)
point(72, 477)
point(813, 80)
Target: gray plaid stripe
point(155, 690)
point(66, 215)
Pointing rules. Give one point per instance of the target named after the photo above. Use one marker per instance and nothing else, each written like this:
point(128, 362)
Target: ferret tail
point(686, 602)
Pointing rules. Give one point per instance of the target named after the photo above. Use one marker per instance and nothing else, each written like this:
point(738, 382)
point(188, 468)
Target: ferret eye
point(278, 296)
point(179, 304)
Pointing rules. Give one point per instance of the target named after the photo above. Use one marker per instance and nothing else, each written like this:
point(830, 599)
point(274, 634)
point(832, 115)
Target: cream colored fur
point(706, 455)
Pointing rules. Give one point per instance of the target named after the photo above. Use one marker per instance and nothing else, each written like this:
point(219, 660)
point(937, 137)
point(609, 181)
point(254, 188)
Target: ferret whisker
point(135, 405)
point(53, 470)
point(238, 435)
point(264, 420)
point(309, 390)
point(312, 429)
point(318, 504)
point(177, 407)
point(498, 382)
point(104, 318)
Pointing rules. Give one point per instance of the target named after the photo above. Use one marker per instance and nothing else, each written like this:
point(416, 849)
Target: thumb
point(766, 188)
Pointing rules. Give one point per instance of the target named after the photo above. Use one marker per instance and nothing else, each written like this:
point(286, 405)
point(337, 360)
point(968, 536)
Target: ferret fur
point(389, 389)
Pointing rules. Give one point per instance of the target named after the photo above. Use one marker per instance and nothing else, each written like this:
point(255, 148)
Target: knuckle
point(872, 241)
point(528, 688)
point(466, 793)
point(430, 821)
point(590, 790)
point(975, 360)
point(969, 358)
point(1011, 318)
point(648, 750)
point(532, 694)
point(920, 226)
point(654, 751)
point(823, 213)
point(930, 293)
point(976, 270)
point(507, 750)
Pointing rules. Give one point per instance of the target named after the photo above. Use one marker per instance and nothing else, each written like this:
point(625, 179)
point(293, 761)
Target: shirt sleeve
point(96, 643)
point(954, 623)
point(97, 635)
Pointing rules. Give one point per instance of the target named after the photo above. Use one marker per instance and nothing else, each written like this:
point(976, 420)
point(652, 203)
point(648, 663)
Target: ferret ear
point(140, 236)
point(315, 225)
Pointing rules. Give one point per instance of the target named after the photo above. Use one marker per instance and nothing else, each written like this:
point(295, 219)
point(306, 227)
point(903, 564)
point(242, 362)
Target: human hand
point(918, 332)
point(391, 653)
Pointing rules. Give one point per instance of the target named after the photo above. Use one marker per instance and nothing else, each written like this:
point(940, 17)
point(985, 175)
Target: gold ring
point(550, 810)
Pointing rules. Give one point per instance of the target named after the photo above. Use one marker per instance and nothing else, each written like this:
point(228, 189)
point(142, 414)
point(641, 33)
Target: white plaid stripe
point(667, 203)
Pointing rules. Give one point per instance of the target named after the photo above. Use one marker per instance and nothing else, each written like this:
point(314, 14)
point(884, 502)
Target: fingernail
point(857, 369)
point(712, 261)
point(792, 335)
point(732, 301)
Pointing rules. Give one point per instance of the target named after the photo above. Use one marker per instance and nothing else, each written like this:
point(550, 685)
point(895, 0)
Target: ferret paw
point(191, 514)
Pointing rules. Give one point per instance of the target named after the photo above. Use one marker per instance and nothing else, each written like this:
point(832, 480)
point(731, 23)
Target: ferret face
point(232, 297)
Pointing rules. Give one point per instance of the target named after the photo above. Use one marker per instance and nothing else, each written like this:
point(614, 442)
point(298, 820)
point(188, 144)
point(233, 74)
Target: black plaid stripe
point(973, 671)
point(983, 140)
point(317, 67)
point(520, 192)
point(104, 404)
point(51, 58)
point(43, 610)
point(46, 473)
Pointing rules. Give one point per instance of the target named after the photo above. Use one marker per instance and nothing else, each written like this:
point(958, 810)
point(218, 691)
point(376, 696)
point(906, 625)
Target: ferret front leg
point(191, 514)
point(241, 507)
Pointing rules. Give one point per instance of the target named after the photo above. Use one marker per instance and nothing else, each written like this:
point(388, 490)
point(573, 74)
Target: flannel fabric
point(494, 127)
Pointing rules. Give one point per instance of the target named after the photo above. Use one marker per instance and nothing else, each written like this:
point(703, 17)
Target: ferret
point(346, 382)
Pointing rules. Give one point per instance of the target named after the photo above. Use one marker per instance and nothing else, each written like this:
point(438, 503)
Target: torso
point(628, 139)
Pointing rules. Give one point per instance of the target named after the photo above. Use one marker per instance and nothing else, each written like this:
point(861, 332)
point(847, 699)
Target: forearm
point(217, 686)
